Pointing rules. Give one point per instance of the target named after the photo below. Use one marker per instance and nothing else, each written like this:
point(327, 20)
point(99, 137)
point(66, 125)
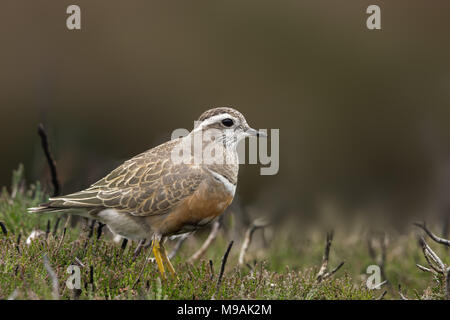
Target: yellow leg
point(167, 261)
point(158, 258)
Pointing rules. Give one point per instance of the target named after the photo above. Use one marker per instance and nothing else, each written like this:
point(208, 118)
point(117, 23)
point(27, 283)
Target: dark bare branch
point(3, 227)
point(55, 227)
point(381, 297)
point(123, 246)
point(100, 229)
point(325, 258)
point(47, 230)
point(51, 162)
point(211, 268)
point(332, 272)
point(222, 268)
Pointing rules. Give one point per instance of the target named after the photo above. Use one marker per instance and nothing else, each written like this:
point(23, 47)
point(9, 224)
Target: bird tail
point(46, 207)
point(79, 201)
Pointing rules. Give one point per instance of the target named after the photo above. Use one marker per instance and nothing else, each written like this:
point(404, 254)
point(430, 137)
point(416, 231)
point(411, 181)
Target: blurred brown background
point(363, 115)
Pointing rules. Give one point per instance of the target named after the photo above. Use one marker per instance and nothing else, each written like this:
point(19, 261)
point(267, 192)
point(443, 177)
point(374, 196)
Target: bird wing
point(147, 184)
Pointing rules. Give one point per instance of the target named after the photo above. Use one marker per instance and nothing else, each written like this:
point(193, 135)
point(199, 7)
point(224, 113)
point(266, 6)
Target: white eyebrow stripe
point(214, 119)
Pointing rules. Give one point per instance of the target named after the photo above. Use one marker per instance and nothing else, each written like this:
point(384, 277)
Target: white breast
point(231, 188)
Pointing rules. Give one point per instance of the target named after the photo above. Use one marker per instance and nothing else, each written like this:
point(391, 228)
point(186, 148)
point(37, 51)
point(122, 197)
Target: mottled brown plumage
point(151, 196)
point(144, 185)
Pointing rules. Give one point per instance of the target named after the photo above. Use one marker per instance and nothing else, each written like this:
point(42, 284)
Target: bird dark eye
point(227, 122)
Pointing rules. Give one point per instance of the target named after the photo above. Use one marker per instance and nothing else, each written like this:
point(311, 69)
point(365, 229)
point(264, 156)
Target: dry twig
point(401, 294)
point(212, 235)
point(257, 224)
point(323, 273)
point(78, 261)
point(447, 284)
point(60, 241)
point(178, 245)
point(436, 266)
point(435, 238)
point(425, 269)
point(138, 249)
point(147, 259)
point(432, 258)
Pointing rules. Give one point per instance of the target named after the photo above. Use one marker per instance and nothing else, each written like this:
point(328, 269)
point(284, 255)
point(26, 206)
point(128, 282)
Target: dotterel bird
point(155, 195)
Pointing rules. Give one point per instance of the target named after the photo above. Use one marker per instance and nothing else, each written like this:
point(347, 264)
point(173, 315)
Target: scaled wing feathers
point(144, 185)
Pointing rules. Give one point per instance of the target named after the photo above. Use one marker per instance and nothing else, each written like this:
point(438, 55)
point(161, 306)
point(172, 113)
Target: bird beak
point(255, 133)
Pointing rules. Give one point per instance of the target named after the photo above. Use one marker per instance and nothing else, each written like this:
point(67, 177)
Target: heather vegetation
point(37, 250)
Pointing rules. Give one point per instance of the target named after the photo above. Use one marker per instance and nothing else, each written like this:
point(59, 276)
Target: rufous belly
point(206, 203)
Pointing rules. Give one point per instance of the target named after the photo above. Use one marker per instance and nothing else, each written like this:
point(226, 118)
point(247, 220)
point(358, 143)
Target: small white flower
point(34, 235)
